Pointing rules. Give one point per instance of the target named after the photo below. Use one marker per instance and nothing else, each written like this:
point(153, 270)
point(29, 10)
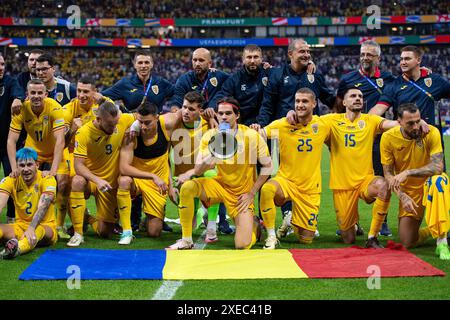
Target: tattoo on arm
point(44, 202)
point(434, 167)
point(388, 170)
point(402, 196)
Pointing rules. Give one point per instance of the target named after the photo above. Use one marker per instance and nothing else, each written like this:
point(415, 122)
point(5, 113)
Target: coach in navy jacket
point(202, 79)
point(247, 84)
point(131, 90)
point(279, 94)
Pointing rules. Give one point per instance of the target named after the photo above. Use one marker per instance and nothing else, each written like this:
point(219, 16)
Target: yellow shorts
point(216, 193)
point(417, 195)
point(346, 203)
point(20, 227)
point(154, 202)
point(305, 207)
point(106, 203)
point(64, 165)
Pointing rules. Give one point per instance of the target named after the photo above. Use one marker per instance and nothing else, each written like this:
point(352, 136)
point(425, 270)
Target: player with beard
point(413, 167)
point(352, 177)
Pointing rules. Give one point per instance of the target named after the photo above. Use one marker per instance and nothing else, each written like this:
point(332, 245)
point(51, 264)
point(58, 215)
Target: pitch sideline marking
point(168, 288)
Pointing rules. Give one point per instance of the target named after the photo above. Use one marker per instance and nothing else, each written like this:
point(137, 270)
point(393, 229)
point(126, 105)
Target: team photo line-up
point(210, 151)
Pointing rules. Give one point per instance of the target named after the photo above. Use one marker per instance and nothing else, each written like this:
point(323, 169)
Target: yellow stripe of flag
point(231, 264)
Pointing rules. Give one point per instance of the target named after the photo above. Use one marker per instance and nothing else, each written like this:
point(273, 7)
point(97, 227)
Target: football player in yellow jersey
point(78, 112)
point(97, 148)
point(145, 170)
point(33, 197)
point(413, 166)
point(235, 184)
point(352, 177)
point(299, 176)
point(43, 120)
point(185, 139)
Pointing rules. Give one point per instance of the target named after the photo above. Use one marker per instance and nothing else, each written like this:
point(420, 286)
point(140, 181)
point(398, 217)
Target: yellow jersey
point(238, 173)
point(153, 157)
point(26, 198)
point(186, 143)
point(40, 128)
point(406, 154)
point(300, 151)
point(101, 150)
point(73, 110)
point(351, 144)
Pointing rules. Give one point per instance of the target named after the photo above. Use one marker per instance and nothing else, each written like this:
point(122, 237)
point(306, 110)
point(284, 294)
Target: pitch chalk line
point(169, 288)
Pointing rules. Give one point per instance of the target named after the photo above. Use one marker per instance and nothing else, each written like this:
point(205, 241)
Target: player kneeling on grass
point(235, 184)
point(145, 169)
point(33, 197)
point(299, 177)
point(413, 166)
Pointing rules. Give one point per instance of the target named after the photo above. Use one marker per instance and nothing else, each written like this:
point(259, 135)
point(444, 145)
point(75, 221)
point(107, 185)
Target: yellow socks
point(379, 212)
point(424, 234)
point(267, 205)
point(124, 205)
point(77, 208)
point(189, 191)
point(24, 245)
point(254, 235)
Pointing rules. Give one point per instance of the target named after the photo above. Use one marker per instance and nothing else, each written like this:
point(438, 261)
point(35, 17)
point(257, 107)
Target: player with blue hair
point(33, 197)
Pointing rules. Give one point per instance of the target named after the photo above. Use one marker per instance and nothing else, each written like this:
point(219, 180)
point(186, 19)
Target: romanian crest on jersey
point(315, 128)
point(155, 89)
point(428, 82)
point(213, 81)
point(380, 82)
point(310, 78)
point(265, 81)
point(45, 120)
point(361, 124)
point(59, 96)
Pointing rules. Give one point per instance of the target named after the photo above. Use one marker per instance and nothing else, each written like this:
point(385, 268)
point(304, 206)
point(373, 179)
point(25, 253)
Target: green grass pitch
point(271, 289)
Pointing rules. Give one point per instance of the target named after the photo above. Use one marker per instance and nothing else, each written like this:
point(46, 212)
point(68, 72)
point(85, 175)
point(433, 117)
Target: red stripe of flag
point(354, 20)
point(80, 42)
point(6, 21)
point(443, 39)
point(167, 22)
point(117, 42)
point(398, 19)
point(281, 41)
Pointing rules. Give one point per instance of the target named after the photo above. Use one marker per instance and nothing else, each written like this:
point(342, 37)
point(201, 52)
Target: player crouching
point(33, 197)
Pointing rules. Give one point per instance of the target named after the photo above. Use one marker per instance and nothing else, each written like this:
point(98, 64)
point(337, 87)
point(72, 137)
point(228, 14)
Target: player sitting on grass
point(33, 197)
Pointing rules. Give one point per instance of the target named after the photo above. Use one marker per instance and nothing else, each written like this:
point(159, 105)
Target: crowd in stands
point(218, 8)
point(95, 32)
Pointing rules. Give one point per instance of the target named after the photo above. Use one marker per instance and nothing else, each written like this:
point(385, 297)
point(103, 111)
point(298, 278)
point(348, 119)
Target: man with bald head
point(202, 79)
